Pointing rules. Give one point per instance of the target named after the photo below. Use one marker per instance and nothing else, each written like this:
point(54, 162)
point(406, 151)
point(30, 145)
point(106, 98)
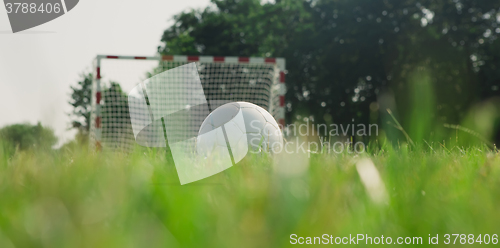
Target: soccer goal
point(224, 79)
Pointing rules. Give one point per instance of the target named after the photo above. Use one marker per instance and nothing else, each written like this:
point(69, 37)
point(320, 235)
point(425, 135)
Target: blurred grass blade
point(371, 180)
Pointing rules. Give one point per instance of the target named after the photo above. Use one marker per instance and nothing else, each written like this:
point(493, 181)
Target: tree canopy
point(81, 97)
point(27, 136)
point(351, 59)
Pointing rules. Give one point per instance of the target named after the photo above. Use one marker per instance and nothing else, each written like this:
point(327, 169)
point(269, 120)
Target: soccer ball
point(241, 125)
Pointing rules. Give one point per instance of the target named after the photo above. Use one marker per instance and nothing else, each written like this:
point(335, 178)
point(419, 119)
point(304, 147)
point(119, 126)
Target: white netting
point(221, 83)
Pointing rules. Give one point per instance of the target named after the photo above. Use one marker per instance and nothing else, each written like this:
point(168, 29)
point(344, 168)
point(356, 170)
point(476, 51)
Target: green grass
point(75, 198)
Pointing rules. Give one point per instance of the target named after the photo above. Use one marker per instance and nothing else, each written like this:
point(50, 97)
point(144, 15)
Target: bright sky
point(37, 66)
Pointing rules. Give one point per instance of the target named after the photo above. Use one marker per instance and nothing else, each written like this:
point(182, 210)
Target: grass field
point(74, 198)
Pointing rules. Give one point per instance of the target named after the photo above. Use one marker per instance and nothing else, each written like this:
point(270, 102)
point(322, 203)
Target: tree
point(341, 55)
point(27, 136)
point(81, 98)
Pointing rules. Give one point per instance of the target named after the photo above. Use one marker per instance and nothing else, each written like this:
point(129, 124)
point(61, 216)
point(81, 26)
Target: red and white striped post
point(281, 112)
point(98, 97)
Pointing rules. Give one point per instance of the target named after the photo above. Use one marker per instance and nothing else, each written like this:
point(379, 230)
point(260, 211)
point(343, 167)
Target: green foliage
point(342, 56)
point(81, 97)
point(27, 136)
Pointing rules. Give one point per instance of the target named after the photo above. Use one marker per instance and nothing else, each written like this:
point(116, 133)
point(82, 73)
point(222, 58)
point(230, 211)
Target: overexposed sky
point(37, 66)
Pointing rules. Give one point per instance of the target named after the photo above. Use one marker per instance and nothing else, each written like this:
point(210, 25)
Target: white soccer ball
point(244, 126)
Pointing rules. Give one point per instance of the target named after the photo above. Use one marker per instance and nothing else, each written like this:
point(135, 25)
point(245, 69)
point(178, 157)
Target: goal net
point(223, 79)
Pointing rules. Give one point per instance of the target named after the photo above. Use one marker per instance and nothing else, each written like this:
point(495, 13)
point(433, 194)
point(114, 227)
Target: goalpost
point(224, 79)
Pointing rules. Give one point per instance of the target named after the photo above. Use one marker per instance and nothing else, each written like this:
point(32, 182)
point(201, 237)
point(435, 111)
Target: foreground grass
point(79, 199)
